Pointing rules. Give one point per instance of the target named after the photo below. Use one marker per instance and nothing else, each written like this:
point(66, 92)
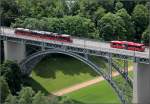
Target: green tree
point(140, 17)
point(128, 23)
point(88, 7)
point(105, 26)
point(98, 14)
point(92, 9)
point(119, 28)
point(9, 11)
point(128, 5)
point(11, 100)
point(148, 5)
point(79, 26)
point(25, 7)
point(118, 6)
point(112, 27)
point(25, 95)
point(74, 7)
point(73, 25)
point(43, 8)
point(146, 36)
point(4, 89)
point(60, 9)
point(11, 72)
point(31, 23)
point(66, 100)
point(107, 4)
point(28, 96)
point(39, 98)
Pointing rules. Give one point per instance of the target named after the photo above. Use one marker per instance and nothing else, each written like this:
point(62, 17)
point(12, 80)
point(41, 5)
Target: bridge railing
point(82, 45)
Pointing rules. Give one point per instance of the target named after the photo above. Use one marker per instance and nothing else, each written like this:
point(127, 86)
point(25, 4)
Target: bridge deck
point(79, 45)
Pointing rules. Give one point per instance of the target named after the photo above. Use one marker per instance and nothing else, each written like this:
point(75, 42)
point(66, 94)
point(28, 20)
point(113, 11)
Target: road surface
point(82, 43)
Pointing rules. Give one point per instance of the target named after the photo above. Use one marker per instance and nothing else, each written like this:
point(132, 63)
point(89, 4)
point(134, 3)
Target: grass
point(100, 93)
point(57, 72)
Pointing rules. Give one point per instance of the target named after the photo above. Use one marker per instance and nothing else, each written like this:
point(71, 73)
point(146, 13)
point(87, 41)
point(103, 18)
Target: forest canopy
point(101, 19)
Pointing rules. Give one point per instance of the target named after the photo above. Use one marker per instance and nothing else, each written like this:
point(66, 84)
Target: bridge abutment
point(141, 84)
point(14, 51)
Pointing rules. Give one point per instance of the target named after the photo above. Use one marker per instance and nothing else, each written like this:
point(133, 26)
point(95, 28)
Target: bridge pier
point(141, 84)
point(14, 51)
point(43, 48)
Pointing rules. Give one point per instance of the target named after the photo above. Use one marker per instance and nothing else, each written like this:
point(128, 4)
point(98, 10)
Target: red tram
point(44, 35)
point(128, 45)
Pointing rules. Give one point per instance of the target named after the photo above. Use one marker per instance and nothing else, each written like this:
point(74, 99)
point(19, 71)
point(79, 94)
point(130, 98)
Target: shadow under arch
point(52, 64)
point(29, 62)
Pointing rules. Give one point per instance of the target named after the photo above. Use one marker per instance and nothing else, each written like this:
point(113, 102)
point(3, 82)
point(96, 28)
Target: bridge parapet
point(137, 57)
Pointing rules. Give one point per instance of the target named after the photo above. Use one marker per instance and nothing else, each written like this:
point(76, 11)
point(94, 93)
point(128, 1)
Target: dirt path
point(83, 84)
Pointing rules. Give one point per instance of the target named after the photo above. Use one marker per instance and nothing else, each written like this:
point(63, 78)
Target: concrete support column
point(14, 51)
point(141, 84)
point(42, 48)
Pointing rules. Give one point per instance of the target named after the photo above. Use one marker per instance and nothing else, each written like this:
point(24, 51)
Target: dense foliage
point(74, 25)
point(140, 17)
point(102, 19)
point(12, 74)
point(4, 89)
point(145, 35)
point(14, 91)
point(28, 96)
point(9, 10)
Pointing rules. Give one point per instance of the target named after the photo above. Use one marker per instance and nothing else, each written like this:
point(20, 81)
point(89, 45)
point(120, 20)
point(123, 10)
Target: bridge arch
point(29, 62)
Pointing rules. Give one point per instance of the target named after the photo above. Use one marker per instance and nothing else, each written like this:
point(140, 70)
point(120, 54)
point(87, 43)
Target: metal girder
point(126, 77)
point(62, 46)
point(110, 66)
point(126, 69)
point(26, 67)
point(125, 83)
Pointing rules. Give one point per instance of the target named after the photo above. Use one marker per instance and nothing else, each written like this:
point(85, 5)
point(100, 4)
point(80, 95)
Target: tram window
point(142, 46)
point(114, 44)
point(130, 46)
point(137, 47)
